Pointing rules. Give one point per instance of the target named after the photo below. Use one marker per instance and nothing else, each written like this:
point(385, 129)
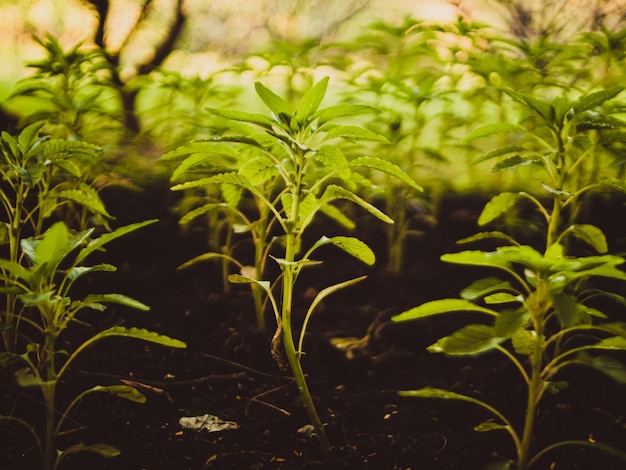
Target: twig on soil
point(241, 366)
point(256, 400)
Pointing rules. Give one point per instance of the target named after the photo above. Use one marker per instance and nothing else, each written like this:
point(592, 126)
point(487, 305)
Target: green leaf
point(500, 204)
point(509, 322)
point(514, 161)
point(355, 133)
point(138, 333)
point(116, 299)
point(477, 258)
point(524, 341)
point(482, 287)
point(333, 192)
point(491, 129)
point(469, 340)
point(123, 391)
point(591, 100)
point(502, 298)
point(204, 209)
point(539, 107)
point(608, 365)
point(567, 309)
point(78, 271)
point(616, 343)
point(341, 111)
point(330, 156)
point(86, 197)
point(311, 100)
point(386, 167)
point(490, 426)
point(591, 235)
point(102, 449)
point(98, 243)
point(440, 306)
point(258, 170)
point(352, 246)
point(252, 118)
point(278, 106)
point(8, 359)
point(437, 393)
point(29, 136)
point(507, 149)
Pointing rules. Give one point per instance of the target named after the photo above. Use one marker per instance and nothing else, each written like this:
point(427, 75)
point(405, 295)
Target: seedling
point(43, 286)
point(542, 312)
point(293, 170)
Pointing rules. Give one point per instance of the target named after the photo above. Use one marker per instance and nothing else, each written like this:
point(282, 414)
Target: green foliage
point(290, 172)
point(42, 282)
point(74, 93)
point(542, 314)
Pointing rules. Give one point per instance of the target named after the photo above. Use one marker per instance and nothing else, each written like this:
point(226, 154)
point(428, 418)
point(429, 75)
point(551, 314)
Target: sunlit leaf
point(311, 100)
point(591, 235)
point(440, 306)
point(469, 340)
point(500, 204)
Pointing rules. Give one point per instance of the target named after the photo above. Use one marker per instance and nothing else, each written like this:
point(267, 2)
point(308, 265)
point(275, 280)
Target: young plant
point(43, 286)
point(73, 92)
point(40, 178)
point(294, 170)
point(542, 311)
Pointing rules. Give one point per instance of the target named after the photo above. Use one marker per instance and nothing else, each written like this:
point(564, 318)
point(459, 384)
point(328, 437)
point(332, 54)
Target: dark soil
point(227, 369)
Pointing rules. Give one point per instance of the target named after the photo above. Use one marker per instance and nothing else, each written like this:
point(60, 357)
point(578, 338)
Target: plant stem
point(290, 349)
point(48, 389)
point(289, 280)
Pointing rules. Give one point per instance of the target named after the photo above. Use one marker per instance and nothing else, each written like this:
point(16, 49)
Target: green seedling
point(72, 92)
point(292, 172)
point(542, 311)
point(41, 177)
point(43, 284)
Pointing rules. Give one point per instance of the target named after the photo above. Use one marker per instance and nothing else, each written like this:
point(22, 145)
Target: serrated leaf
point(497, 206)
point(355, 133)
point(99, 242)
point(252, 118)
point(138, 333)
point(123, 391)
point(386, 167)
point(608, 365)
point(311, 100)
point(333, 192)
point(491, 129)
point(117, 299)
point(591, 235)
point(352, 246)
point(341, 111)
point(330, 156)
point(615, 343)
point(102, 449)
point(87, 198)
point(482, 287)
point(469, 340)
point(476, 258)
point(514, 161)
point(523, 341)
point(278, 106)
point(539, 107)
point(258, 170)
point(591, 100)
point(441, 306)
point(509, 322)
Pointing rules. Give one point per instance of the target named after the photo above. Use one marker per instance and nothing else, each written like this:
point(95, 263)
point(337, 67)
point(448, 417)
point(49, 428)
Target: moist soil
point(227, 369)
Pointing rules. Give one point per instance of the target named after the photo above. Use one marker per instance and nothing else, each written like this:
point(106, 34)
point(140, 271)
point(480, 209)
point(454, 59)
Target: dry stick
point(256, 400)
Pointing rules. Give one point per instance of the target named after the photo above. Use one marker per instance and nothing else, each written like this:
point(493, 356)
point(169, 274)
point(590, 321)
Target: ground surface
point(227, 369)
